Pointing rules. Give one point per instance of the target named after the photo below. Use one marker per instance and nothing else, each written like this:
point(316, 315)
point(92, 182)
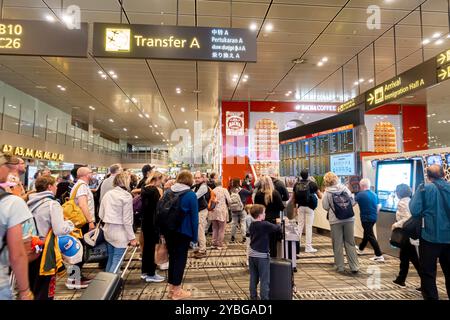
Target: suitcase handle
point(123, 258)
point(129, 262)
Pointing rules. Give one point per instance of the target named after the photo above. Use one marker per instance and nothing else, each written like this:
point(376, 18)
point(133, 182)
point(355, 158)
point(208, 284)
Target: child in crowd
point(259, 257)
point(248, 221)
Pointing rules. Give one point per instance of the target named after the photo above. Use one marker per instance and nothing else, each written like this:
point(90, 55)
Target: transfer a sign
point(417, 78)
point(234, 123)
point(174, 42)
point(42, 38)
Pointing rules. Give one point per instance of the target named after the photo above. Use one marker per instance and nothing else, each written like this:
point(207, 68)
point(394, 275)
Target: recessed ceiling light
point(439, 42)
point(127, 101)
point(361, 80)
point(320, 64)
point(156, 126)
point(178, 90)
point(134, 99)
point(437, 35)
point(325, 59)
point(147, 115)
point(269, 27)
point(140, 115)
point(183, 109)
point(104, 76)
point(253, 26)
point(62, 89)
point(40, 87)
point(185, 122)
point(100, 72)
point(356, 83)
point(111, 72)
point(245, 76)
point(370, 80)
point(426, 41)
point(157, 133)
point(49, 18)
point(245, 80)
point(111, 120)
point(136, 137)
point(59, 86)
point(150, 126)
point(91, 107)
point(114, 76)
point(125, 129)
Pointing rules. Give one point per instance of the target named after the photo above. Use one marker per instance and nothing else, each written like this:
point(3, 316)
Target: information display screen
point(389, 175)
point(343, 164)
point(434, 159)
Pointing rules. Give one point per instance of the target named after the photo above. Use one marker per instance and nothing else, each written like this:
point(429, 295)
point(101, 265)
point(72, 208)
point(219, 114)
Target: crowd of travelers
point(42, 228)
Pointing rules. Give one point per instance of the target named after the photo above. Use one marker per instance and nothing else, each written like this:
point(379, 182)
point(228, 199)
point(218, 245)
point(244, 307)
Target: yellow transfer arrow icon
point(371, 98)
point(444, 73)
point(444, 57)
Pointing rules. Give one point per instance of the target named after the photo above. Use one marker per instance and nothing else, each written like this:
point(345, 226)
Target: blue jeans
point(114, 255)
point(5, 293)
point(259, 272)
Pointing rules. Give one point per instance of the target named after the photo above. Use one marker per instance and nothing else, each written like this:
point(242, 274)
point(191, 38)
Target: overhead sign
point(443, 63)
point(419, 77)
point(328, 108)
point(32, 153)
point(174, 42)
point(42, 38)
point(352, 103)
point(235, 123)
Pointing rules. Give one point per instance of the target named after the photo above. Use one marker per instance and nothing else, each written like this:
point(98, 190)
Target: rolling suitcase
point(281, 275)
point(107, 285)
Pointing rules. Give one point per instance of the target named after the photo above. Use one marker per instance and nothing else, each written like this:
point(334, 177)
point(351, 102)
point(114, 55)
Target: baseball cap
point(71, 249)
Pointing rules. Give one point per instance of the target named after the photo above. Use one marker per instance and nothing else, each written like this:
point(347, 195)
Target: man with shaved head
point(85, 200)
point(431, 203)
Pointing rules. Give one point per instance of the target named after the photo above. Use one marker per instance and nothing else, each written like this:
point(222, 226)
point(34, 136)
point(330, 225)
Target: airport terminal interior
point(244, 95)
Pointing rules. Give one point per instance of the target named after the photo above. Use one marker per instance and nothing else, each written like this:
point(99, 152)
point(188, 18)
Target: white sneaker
point(155, 278)
point(377, 259)
point(359, 252)
point(164, 266)
point(310, 250)
point(144, 276)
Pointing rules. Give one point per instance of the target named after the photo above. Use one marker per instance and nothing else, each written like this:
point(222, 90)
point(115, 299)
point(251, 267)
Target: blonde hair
point(267, 188)
point(330, 179)
point(154, 175)
point(122, 180)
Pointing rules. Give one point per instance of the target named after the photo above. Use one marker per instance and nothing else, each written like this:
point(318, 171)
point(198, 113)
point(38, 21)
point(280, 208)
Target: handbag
point(96, 254)
point(161, 253)
point(412, 228)
point(94, 237)
point(398, 238)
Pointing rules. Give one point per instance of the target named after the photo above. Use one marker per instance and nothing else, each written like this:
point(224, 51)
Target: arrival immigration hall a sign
point(42, 38)
point(174, 42)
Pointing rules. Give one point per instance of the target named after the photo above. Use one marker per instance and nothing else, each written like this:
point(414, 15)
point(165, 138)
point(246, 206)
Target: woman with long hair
point(150, 194)
point(271, 199)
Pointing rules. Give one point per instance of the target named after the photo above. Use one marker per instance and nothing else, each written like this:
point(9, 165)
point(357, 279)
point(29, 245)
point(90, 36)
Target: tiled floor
point(223, 275)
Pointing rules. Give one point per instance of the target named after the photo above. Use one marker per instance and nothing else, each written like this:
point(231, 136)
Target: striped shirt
point(256, 254)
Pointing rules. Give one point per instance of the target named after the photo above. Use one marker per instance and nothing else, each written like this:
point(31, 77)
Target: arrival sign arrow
point(371, 99)
point(444, 74)
point(443, 58)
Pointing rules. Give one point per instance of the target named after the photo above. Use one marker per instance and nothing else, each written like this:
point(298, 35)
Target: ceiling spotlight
point(370, 80)
point(439, 42)
point(147, 115)
point(111, 120)
point(426, 41)
point(91, 107)
point(140, 115)
point(62, 89)
point(127, 101)
point(136, 137)
point(104, 76)
point(59, 86)
point(156, 126)
point(125, 129)
point(157, 133)
point(253, 26)
point(111, 72)
point(150, 126)
point(178, 90)
point(49, 18)
point(320, 64)
point(269, 27)
point(134, 100)
point(436, 35)
point(325, 59)
point(185, 122)
point(245, 76)
point(245, 80)
point(183, 109)
point(356, 83)
point(361, 80)
point(114, 76)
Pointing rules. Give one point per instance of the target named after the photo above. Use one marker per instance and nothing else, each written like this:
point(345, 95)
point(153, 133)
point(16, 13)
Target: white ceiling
point(310, 29)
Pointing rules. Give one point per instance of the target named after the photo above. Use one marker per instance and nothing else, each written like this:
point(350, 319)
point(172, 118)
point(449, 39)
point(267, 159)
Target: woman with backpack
point(48, 217)
point(218, 216)
point(338, 201)
point(150, 194)
point(271, 199)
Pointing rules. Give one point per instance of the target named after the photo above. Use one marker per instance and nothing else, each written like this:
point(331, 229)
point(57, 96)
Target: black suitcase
point(281, 274)
point(107, 285)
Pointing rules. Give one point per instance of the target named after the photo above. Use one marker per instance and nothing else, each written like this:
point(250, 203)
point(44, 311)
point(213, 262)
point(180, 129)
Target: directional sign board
point(42, 38)
point(174, 42)
point(443, 63)
point(443, 58)
point(419, 77)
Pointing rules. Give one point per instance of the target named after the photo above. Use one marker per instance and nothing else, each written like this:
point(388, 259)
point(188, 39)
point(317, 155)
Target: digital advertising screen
point(389, 176)
point(434, 159)
point(343, 164)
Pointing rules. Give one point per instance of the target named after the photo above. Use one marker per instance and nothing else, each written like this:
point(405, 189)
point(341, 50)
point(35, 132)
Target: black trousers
point(369, 236)
point(148, 254)
point(429, 253)
point(408, 253)
point(177, 247)
point(43, 287)
point(84, 230)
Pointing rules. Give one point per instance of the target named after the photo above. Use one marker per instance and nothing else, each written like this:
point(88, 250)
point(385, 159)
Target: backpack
point(73, 212)
point(169, 216)
point(302, 192)
point(212, 202)
point(236, 203)
point(137, 204)
point(343, 208)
